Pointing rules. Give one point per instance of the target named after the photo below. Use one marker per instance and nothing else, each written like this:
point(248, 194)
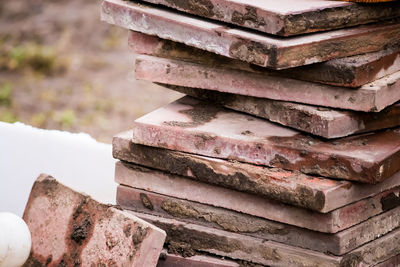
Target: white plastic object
point(15, 240)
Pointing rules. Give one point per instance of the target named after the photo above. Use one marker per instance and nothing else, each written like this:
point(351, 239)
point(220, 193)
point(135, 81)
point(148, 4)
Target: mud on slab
point(259, 49)
point(79, 231)
point(287, 17)
point(184, 236)
point(290, 187)
point(193, 126)
point(191, 212)
point(176, 186)
point(353, 71)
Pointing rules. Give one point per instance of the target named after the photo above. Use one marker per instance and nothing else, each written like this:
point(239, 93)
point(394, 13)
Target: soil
point(62, 68)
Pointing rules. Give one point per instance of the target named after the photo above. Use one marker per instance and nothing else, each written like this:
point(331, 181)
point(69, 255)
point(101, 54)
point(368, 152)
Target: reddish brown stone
point(175, 186)
point(371, 97)
point(193, 126)
point(310, 192)
point(392, 262)
point(288, 17)
point(353, 71)
point(260, 49)
point(325, 122)
point(71, 229)
point(189, 237)
point(173, 260)
point(209, 216)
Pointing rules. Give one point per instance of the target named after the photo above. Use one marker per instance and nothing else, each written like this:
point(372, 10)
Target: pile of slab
point(285, 150)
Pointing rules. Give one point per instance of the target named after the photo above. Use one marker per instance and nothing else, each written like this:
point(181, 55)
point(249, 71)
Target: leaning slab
point(71, 229)
point(325, 122)
point(174, 260)
point(209, 216)
point(190, 125)
point(353, 71)
point(287, 17)
point(222, 243)
point(175, 186)
point(259, 49)
point(294, 188)
point(372, 97)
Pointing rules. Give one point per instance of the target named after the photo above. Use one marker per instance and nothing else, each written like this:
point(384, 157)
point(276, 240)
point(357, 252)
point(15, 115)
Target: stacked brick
point(285, 150)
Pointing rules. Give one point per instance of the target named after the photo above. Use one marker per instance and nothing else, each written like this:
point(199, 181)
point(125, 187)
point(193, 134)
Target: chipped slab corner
point(69, 229)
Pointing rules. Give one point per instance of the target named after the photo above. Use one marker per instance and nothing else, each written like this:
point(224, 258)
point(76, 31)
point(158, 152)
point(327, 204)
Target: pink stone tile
point(196, 127)
point(260, 49)
point(191, 212)
point(183, 188)
point(310, 192)
point(287, 17)
point(353, 71)
point(69, 229)
point(173, 260)
point(371, 97)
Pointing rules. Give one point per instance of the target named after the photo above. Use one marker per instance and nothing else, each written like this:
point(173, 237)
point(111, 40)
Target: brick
point(191, 212)
point(69, 229)
point(197, 127)
point(288, 17)
point(372, 97)
point(325, 122)
point(353, 71)
point(173, 260)
point(176, 186)
point(294, 188)
point(222, 243)
point(259, 49)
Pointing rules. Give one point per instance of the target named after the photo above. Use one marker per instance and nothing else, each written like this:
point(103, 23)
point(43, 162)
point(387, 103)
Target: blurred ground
point(61, 68)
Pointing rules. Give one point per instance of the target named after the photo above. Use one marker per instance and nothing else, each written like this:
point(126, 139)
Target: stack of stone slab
point(286, 149)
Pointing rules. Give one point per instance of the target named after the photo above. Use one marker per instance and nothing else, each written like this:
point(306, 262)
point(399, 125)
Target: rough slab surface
point(295, 188)
point(209, 216)
point(193, 126)
point(173, 260)
point(71, 229)
point(353, 71)
point(183, 236)
point(175, 186)
point(392, 262)
point(287, 17)
point(372, 97)
point(260, 49)
point(325, 122)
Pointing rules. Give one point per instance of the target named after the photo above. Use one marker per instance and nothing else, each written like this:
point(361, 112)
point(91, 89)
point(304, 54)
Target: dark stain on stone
point(248, 18)
point(146, 201)
point(127, 230)
point(390, 201)
point(351, 260)
point(252, 52)
point(203, 8)
point(279, 161)
point(139, 235)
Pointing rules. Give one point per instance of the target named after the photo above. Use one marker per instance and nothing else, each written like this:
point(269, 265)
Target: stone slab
point(259, 49)
point(372, 97)
point(294, 188)
point(193, 126)
point(183, 188)
point(353, 71)
point(392, 262)
point(287, 17)
point(222, 243)
point(71, 229)
point(324, 122)
point(173, 260)
point(209, 216)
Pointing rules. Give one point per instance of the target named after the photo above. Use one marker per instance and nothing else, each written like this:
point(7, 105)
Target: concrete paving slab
point(294, 188)
point(372, 97)
point(287, 17)
point(353, 71)
point(191, 212)
point(193, 126)
point(174, 260)
point(176, 186)
point(194, 237)
point(324, 122)
point(71, 229)
point(259, 49)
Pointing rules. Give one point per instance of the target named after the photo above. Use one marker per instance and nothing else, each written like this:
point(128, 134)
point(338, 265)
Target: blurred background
point(62, 68)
